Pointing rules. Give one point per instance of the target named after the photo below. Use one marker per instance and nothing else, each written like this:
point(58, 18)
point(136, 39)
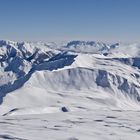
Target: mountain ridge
point(100, 68)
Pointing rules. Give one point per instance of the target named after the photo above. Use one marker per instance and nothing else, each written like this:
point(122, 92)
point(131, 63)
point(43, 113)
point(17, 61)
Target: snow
point(97, 125)
point(75, 90)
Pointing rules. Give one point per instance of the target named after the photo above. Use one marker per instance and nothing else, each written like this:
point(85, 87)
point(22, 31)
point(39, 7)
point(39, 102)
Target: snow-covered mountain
point(40, 75)
point(97, 84)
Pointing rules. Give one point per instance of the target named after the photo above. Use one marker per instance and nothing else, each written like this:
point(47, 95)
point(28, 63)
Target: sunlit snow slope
point(38, 78)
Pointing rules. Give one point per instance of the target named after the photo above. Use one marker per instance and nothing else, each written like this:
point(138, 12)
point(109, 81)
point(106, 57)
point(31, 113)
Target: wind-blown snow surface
point(54, 89)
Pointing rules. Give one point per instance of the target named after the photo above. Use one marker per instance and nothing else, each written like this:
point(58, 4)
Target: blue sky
point(54, 20)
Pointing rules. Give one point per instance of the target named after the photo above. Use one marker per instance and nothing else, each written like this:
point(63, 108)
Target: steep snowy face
point(12, 63)
point(46, 74)
point(18, 58)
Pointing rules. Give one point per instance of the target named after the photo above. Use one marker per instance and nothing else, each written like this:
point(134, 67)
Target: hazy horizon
point(53, 20)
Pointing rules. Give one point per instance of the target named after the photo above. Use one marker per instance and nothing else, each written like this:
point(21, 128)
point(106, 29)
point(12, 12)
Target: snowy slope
point(75, 77)
point(85, 125)
point(41, 74)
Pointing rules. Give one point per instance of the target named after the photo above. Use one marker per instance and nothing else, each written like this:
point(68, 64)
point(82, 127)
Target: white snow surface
point(77, 90)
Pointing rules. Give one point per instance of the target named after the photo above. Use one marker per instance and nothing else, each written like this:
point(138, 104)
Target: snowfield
point(79, 125)
point(73, 91)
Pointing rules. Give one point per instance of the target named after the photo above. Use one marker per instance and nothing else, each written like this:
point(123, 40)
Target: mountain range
point(77, 90)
